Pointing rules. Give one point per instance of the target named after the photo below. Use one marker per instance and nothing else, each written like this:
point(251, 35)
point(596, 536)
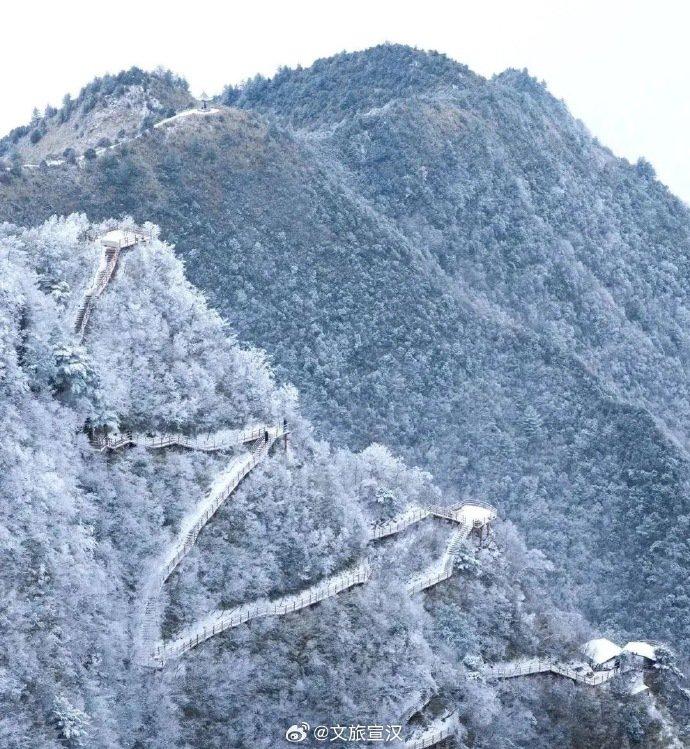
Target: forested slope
point(82, 527)
point(454, 267)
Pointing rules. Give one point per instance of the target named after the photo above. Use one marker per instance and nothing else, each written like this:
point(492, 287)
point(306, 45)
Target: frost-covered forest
point(80, 527)
point(451, 290)
point(453, 265)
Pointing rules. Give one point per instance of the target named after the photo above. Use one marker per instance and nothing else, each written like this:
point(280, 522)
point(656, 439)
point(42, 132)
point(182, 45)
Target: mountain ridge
point(107, 110)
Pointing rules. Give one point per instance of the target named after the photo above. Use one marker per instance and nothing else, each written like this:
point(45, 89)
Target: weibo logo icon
point(297, 732)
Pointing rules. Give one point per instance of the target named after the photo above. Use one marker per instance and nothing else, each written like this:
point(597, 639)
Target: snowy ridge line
point(529, 666)
point(219, 621)
point(99, 151)
point(185, 113)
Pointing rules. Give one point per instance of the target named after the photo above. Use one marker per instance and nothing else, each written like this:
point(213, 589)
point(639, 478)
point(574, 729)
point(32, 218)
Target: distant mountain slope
point(453, 266)
point(108, 110)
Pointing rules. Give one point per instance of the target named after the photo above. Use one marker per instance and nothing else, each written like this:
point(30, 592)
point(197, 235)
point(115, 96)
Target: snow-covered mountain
point(86, 521)
point(448, 267)
point(456, 262)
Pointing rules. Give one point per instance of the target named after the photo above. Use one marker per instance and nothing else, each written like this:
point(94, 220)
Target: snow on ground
point(186, 113)
point(476, 514)
point(637, 686)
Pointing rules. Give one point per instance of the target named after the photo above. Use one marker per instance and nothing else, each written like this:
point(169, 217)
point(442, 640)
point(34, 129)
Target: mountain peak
point(107, 109)
point(336, 87)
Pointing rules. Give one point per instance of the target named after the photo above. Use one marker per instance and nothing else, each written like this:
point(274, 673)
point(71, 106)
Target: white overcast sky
point(623, 67)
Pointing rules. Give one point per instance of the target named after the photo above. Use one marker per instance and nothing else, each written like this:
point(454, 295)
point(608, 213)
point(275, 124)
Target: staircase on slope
point(113, 243)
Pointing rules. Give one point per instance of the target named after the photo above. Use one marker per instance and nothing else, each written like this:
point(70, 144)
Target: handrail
point(240, 467)
point(454, 513)
point(512, 669)
point(226, 619)
point(383, 528)
point(443, 730)
point(217, 441)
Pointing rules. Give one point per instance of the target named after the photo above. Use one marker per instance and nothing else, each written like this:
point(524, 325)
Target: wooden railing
point(211, 442)
point(461, 514)
point(531, 666)
point(226, 619)
point(443, 730)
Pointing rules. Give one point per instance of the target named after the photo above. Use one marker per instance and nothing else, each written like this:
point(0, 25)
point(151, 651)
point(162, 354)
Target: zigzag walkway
point(219, 621)
point(448, 727)
point(222, 488)
point(154, 652)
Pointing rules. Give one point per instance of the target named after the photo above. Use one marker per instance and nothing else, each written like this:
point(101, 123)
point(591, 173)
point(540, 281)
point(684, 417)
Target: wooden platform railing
point(455, 512)
point(527, 667)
